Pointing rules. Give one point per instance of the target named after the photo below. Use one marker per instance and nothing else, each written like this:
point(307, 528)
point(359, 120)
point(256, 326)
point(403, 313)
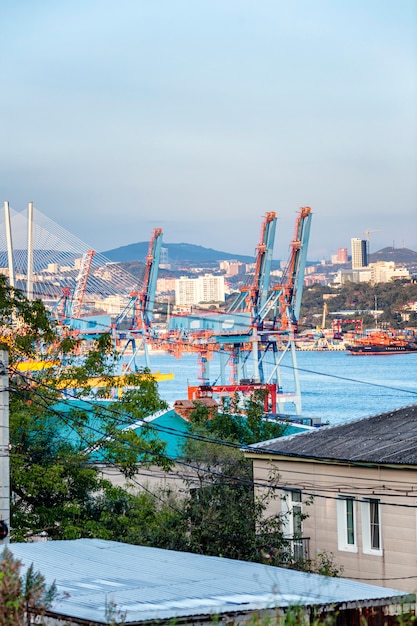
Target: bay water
point(335, 385)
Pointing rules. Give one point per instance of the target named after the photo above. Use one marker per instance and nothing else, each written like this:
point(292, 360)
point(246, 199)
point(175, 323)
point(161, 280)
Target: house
point(143, 585)
point(360, 479)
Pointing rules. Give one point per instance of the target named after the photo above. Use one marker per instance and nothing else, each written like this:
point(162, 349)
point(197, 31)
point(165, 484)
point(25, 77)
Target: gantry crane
point(141, 305)
point(81, 284)
point(69, 306)
point(258, 322)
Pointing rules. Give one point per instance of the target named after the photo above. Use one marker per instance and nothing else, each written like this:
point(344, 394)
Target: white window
point(371, 526)
point(293, 519)
point(293, 526)
point(346, 524)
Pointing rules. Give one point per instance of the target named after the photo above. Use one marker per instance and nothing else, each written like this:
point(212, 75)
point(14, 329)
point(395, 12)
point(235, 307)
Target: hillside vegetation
point(390, 298)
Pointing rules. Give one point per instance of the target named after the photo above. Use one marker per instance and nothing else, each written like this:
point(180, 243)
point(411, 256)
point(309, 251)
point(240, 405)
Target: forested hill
point(398, 255)
point(177, 252)
point(391, 298)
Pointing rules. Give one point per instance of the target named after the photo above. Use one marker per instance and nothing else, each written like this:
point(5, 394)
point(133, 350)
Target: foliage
point(23, 599)
point(144, 518)
point(323, 564)
point(22, 323)
point(390, 297)
point(234, 423)
point(223, 515)
point(56, 445)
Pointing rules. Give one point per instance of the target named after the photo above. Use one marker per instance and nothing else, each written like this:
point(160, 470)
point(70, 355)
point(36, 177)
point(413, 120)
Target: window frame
point(371, 507)
point(343, 543)
point(293, 513)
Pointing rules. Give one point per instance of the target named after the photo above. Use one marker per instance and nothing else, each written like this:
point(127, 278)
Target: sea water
point(335, 386)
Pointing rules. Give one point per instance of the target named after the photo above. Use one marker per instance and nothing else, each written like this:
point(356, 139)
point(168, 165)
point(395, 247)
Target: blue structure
point(259, 321)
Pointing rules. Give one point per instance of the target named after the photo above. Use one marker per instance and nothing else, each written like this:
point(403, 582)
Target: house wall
point(179, 479)
point(395, 564)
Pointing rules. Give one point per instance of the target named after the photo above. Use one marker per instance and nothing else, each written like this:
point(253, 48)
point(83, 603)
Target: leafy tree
point(234, 423)
point(223, 514)
point(55, 455)
point(390, 297)
point(23, 599)
point(55, 477)
point(145, 518)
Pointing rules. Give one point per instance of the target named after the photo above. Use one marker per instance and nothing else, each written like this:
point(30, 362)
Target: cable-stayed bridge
point(44, 260)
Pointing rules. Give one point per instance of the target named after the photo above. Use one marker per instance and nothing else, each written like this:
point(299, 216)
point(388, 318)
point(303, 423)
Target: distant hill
point(177, 253)
point(398, 255)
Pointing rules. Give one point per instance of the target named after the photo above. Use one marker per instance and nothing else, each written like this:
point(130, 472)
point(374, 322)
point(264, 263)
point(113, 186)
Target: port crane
point(367, 234)
point(139, 310)
point(81, 283)
point(257, 323)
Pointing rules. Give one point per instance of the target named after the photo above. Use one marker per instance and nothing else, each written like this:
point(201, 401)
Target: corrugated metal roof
point(389, 438)
point(151, 583)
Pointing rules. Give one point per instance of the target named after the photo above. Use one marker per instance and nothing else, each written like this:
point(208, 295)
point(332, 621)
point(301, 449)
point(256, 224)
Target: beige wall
point(152, 478)
point(396, 567)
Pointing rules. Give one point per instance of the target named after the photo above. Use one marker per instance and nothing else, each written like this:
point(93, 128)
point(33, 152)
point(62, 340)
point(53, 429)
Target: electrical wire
point(126, 419)
point(251, 483)
point(243, 481)
point(312, 493)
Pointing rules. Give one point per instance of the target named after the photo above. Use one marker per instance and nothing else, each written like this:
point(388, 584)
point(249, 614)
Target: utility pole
point(29, 284)
point(4, 449)
point(9, 243)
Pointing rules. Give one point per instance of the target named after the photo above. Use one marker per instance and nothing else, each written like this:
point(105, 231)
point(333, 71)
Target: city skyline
point(199, 118)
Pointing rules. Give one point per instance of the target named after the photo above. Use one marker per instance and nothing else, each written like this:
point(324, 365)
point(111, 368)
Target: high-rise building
point(207, 288)
point(359, 253)
point(342, 255)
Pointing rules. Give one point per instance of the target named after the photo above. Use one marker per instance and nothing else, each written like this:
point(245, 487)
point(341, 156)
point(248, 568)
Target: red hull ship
point(382, 342)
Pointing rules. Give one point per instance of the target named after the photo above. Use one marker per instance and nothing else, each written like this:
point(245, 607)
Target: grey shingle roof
point(152, 583)
point(389, 438)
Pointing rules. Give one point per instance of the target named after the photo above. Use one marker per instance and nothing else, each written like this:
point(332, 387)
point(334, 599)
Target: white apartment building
point(381, 272)
point(233, 268)
point(163, 285)
point(359, 253)
point(207, 288)
point(384, 271)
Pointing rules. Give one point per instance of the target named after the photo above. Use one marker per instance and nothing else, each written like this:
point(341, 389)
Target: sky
point(200, 116)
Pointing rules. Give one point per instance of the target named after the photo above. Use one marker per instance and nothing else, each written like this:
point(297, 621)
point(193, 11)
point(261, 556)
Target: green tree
point(236, 423)
point(390, 297)
point(224, 517)
point(56, 455)
point(25, 599)
point(56, 450)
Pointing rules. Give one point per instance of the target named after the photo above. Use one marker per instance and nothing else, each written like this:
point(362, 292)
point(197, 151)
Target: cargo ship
point(382, 342)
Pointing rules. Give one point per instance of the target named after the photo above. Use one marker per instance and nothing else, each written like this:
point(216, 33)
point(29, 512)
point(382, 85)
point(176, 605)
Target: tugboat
point(382, 342)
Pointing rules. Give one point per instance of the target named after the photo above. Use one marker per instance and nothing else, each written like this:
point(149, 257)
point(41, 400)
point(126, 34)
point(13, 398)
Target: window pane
point(350, 523)
point(374, 521)
point(296, 496)
point(296, 513)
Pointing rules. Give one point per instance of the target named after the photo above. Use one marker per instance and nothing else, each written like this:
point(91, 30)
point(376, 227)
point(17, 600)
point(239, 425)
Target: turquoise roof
point(170, 427)
point(167, 425)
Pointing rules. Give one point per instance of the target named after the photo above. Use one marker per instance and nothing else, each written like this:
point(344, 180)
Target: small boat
point(382, 342)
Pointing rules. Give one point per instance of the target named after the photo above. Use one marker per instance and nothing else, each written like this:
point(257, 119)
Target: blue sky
point(199, 116)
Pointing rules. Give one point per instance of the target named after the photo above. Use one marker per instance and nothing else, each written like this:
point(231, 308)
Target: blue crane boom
point(146, 300)
point(258, 321)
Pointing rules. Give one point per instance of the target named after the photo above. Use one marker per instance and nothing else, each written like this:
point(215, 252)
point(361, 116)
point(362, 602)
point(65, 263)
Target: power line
point(309, 492)
point(251, 483)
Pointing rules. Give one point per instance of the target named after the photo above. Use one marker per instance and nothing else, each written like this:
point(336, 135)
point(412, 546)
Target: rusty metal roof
point(388, 438)
point(147, 584)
